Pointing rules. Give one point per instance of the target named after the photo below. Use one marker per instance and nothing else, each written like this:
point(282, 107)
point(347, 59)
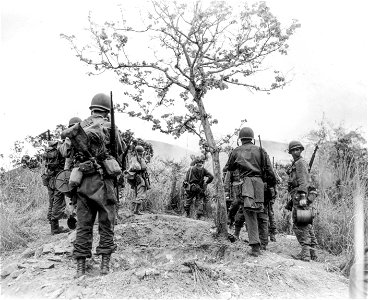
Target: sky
point(44, 84)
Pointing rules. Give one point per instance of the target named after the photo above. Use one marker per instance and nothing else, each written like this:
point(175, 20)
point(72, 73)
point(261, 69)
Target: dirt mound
point(166, 257)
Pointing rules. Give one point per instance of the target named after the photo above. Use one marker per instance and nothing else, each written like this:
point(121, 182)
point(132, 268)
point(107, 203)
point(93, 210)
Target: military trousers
point(271, 219)
point(57, 204)
point(140, 193)
point(312, 235)
point(199, 199)
point(257, 225)
point(95, 195)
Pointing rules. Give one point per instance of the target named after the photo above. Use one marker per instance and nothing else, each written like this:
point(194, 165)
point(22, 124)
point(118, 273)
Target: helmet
point(139, 149)
point(74, 120)
point(101, 102)
point(295, 145)
point(246, 133)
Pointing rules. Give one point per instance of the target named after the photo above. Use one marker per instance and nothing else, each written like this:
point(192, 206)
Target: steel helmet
point(295, 145)
point(74, 120)
point(101, 102)
point(246, 133)
point(139, 149)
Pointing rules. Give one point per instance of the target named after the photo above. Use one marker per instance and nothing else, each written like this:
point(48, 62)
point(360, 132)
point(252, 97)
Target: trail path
point(170, 257)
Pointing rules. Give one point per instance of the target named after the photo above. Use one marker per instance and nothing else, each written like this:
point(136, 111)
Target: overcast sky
point(44, 84)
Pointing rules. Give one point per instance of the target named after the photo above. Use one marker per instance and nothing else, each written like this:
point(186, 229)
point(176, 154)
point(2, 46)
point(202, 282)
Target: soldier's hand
point(303, 202)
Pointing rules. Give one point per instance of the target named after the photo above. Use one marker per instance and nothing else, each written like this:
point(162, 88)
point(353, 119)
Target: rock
point(157, 290)
point(72, 236)
point(45, 265)
point(5, 272)
point(140, 273)
point(225, 295)
point(151, 271)
point(184, 269)
point(47, 248)
point(59, 249)
point(38, 252)
point(54, 258)
point(56, 293)
point(291, 237)
point(221, 284)
point(16, 273)
point(31, 261)
point(28, 253)
point(235, 289)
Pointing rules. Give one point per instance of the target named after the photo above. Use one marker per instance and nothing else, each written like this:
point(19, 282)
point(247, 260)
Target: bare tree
point(194, 49)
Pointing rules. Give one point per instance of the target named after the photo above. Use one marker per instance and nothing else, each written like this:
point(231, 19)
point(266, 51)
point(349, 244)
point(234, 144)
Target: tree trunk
point(220, 215)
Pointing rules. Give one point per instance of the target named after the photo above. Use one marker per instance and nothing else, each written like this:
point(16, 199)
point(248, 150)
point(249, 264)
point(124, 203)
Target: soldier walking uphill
point(93, 175)
point(298, 186)
point(54, 163)
point(195, 187)
point(138, 178)
point(247, 159)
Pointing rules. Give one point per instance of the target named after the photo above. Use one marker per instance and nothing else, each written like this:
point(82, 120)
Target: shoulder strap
point(190, 173)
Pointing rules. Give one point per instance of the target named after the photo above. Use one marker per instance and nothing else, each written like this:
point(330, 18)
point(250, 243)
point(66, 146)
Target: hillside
point(275, 150)
point(170, 257)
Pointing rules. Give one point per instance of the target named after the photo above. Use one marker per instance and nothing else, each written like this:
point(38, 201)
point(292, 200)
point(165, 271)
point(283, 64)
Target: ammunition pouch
point(87, 167)
point(111, 167)
point(75, 178)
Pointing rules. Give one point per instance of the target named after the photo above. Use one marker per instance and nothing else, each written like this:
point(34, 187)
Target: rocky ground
point(168, 257)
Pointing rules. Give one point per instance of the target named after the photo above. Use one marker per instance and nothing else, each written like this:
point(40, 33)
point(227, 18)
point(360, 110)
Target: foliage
point(194, 49)
point(23, 203)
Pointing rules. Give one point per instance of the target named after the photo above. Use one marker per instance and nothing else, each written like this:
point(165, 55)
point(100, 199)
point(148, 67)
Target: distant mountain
point(170, 151)
point(275, 150)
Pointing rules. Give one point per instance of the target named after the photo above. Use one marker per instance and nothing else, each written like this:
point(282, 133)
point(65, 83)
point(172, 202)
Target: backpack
point(52, 157)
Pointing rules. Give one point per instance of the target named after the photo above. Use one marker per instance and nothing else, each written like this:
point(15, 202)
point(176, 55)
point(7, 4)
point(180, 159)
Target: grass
point(23, 202)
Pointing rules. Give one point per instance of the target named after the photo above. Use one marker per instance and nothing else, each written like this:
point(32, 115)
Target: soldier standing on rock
point(196, 186)
point(94, 172)
point(138, 178)
point(247, 159)
point(298, 184)
point(54, 163)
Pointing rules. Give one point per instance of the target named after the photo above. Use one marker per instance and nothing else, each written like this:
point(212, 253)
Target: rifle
point(312, 158)
point(113, 146)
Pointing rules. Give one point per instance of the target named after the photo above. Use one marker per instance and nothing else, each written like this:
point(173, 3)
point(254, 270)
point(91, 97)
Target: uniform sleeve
point(231, 162)
point(208, 175)
point(65, 148)
point(302, 175)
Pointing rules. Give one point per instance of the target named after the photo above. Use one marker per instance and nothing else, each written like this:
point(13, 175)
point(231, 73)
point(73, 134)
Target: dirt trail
point(166, 257)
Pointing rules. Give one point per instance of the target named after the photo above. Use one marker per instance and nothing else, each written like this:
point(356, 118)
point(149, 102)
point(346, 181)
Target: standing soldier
point(298, 184)
point(54, 163)
point(254, 168)
point(196, 187)
point(66, 151)
point(94, 173)
point(140, 182)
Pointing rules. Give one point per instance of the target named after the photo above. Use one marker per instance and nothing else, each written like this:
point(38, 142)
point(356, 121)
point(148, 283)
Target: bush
point(23, 202)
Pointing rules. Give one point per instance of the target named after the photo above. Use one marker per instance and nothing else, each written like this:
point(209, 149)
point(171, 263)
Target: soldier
point(139, 178)
point(96, 170)
point(66, 151)
point(54, 163)
point(248, 159)
point(196, 187)
point(298, 184)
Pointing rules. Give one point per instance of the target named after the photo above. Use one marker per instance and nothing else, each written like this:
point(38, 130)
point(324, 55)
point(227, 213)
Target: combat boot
point(237, 232)
point(136, 209)
point(304, 255)
point(272, 237)
point(105, 264)
point(255, 251)
point(263, 247)
point(313, 254)
point(81, 267)
point(56, 229)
